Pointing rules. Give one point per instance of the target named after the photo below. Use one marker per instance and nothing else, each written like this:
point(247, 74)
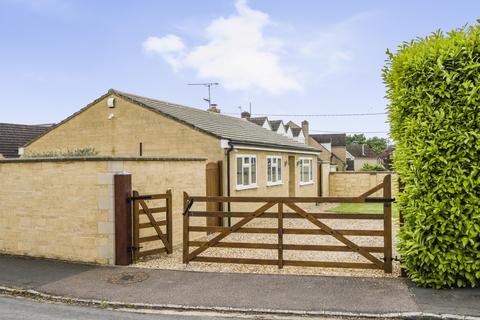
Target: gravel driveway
point(174, 261)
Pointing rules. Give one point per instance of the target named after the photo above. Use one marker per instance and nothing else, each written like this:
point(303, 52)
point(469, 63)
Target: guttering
point(227, 153)
point(252, 146)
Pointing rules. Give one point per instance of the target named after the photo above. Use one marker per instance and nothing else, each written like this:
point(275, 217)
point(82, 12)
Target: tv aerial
point(209, 85)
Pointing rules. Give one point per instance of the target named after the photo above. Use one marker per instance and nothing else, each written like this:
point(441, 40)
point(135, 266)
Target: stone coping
point(98, 158)
point(360, 172)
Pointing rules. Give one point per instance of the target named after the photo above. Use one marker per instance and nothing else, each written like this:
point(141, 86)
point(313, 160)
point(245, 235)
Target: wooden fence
point(374, 262)
point(141, 208)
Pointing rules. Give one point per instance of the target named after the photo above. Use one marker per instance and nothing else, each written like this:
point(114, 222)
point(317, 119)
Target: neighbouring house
point(298, 132)
point(387, 157)
point(273, 125)
point(361, 154)
point(254, 161)
point(14, 136)
point(336, 146)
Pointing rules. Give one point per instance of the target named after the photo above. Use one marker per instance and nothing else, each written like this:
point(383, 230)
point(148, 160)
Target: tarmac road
point(14, 308)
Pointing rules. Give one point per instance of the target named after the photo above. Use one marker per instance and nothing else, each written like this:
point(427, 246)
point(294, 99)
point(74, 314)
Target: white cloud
point(170, 47)
point(237, 53)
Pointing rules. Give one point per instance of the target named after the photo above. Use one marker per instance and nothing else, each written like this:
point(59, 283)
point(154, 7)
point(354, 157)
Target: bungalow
point(14, 136)
point(361, 154)
point(254, 161)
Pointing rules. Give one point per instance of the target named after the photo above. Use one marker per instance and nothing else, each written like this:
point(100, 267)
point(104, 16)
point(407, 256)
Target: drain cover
point(128, 277)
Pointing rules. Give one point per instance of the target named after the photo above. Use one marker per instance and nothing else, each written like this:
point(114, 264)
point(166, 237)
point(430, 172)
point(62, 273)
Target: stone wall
point(352, 184)
point(64, 208)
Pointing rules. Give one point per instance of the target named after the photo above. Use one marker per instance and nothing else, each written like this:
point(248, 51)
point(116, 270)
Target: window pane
point(311, 171)
point(239, 171)
point(274, 175)
point(280, 170)
point(254, 170)
point(246, 180)
point(269, 170)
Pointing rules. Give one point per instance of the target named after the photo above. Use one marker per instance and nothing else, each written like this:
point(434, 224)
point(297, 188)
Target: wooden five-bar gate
point(281, 203)
point(160, 241)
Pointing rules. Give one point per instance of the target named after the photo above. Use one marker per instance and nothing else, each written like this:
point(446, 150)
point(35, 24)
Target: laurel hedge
point(433, 85)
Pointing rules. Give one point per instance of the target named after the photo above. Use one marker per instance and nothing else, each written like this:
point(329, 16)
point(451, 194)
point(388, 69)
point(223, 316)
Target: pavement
point(120, 287)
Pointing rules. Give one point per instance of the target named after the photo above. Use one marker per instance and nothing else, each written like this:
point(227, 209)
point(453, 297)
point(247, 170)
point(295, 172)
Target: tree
point(377, 144)
point(356, 138)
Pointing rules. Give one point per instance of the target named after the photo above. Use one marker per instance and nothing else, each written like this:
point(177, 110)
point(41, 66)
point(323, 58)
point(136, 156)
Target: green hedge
point(433, 85)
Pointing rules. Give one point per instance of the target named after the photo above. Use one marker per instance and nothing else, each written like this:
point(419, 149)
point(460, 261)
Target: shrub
point(84, 152)
point(433, 87)
point(372, 167)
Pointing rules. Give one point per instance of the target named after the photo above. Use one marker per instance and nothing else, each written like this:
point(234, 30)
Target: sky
point(299, 58)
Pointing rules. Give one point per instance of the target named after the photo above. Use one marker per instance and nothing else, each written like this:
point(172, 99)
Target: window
point(246, 172)
point(274, 170)
point(306, 171)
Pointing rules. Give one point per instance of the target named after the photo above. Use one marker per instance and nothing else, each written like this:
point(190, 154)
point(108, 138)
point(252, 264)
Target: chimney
point(246, 115)
point(305, 129)
point(213, 108)
point(363, 149)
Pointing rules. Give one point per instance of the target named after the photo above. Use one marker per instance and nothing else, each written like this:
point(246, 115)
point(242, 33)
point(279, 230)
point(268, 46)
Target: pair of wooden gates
point(148, 238)
point(281, 203)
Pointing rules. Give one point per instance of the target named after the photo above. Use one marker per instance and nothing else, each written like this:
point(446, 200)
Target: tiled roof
point(258, 120)
point(14, 136)
point(355, 150)
point(221, 126)
point(296, 131)
point(275, 124)
point(337, 140)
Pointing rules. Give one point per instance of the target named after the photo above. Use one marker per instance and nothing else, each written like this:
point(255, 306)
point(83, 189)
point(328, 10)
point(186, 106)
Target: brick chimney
point(213, 108)
point(246, 115)
point(305, 129)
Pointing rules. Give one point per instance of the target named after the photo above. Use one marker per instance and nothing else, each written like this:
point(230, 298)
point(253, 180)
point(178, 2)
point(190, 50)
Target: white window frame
point(303, 162)
point(239, 184)
point(278, 169)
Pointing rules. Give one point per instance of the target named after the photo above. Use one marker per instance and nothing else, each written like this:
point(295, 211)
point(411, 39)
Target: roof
point(337, 140)
point(237, 130)
point(14, 136)
point(258, 120)
point(355, 150)
point(296, 131)
point(275, 124)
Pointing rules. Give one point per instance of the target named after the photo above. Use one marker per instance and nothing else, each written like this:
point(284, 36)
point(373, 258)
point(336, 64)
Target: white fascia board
point(245, 147)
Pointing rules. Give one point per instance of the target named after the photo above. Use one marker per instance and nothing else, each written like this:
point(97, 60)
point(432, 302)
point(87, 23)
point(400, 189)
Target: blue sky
point(285, 57)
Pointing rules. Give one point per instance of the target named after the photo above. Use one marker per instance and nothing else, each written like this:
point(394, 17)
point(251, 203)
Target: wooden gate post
point(123, 218)
point(186, 229)
point(169, 221)
point(387, 223)
point(213, 189)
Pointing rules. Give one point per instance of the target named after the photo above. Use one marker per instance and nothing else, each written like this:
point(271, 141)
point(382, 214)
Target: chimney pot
point(246, 115)
point(213, 108)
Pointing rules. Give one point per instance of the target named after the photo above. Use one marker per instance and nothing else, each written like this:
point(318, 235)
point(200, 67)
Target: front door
point(291, 176)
